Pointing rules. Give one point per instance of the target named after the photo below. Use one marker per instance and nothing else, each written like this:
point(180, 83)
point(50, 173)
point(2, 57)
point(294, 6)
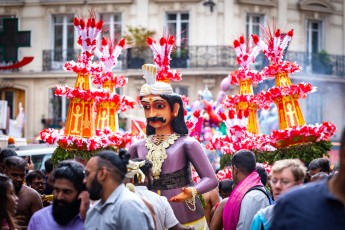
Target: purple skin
point(184, 151)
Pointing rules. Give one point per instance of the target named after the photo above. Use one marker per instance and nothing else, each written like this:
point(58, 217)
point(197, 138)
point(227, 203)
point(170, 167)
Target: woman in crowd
point(9, 202)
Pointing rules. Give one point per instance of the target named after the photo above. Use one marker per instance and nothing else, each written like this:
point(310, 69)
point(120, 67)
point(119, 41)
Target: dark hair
point(5, 183)
point(112, 160)
point(178, 123)
point(48, 165)
point(72, 171)
point(263, 174)
point(244, 160)
point(33, 175)
point(15, 162)
point(320, 163)
point(225, 186)
point(6, 153)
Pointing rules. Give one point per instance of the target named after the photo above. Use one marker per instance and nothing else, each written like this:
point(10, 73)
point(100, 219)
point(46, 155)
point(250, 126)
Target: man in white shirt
point(140, 171)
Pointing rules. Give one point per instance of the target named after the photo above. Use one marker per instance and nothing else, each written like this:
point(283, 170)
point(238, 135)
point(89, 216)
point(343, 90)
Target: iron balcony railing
point(206, 57)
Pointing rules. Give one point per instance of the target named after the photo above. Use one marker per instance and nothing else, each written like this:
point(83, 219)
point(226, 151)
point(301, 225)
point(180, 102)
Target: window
point(63, 37)
point(254, 22)
point(112, 25)
point(1, 29)
point(58, 108)
point(178, 25)
point(314, 36)
point(253, 26)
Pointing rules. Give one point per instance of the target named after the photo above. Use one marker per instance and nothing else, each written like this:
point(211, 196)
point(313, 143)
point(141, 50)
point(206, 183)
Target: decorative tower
point(92, 116)
point(241, 119)
point(245, 105)
point(285, 95)
point(107, 106)
point(80, 114)
point(293, 129)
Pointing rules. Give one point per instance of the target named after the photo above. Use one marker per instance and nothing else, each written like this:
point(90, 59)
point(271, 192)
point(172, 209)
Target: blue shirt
point(43, 219)
point(309, 207)
point(123, 210)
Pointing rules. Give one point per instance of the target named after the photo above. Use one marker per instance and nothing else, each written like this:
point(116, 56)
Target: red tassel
point(171, 40)
point(162, 41)
point(82, 24)
point(104, 42)
point(76, 22)
point(242, 39)
point(236, 43)
point(149, 41)
point(100, 25)
point(277, 33)
point(122, 43)
point(290, 33)
point(93, 23)
point(255, 39)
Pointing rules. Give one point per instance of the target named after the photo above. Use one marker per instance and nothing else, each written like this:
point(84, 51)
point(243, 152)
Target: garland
point(305, 152)
point(61, 154)
point(101, 140)
point(119, 81)
point(245, 74)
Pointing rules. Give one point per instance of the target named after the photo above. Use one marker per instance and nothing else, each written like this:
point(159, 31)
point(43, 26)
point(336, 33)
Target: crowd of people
point(113, 191)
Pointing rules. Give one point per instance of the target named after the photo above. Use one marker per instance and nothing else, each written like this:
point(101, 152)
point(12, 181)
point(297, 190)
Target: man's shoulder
point(255, 193)
point(128, 196)
point(43, 213)
point(255, 198)
point(27, 191)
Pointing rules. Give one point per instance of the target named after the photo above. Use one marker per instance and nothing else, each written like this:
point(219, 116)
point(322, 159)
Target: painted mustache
point(153, 119)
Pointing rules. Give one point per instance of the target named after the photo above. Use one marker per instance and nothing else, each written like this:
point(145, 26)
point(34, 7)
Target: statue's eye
point(159, 106)
point(146, 107)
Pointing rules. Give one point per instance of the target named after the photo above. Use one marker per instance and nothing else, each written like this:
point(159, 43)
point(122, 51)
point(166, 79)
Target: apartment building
point(204, 29)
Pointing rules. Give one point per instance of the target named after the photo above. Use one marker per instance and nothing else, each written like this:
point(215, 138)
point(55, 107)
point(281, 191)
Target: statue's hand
point(186, 193)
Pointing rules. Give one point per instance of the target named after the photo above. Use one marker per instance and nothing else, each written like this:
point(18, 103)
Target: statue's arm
point(202, 166)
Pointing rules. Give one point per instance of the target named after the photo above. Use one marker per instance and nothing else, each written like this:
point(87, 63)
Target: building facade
point(204, 30)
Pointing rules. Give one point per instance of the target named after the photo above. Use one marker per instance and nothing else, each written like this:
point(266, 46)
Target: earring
point(175, 114)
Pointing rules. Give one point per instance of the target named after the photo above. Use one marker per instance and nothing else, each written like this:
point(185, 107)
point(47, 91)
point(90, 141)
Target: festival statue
point(168, 145)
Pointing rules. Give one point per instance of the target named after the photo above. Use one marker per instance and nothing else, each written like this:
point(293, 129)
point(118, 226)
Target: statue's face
point(157, 112)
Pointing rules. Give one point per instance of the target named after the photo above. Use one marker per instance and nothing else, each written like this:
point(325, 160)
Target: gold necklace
point(157, 152)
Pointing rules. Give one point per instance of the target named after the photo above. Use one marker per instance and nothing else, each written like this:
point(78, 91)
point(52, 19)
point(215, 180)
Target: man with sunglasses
point(70, 198)
point(117, 208)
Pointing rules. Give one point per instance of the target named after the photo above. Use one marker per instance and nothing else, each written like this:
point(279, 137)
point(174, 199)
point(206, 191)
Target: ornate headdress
point(158, 76)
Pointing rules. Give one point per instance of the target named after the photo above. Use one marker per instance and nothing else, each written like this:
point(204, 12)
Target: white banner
point(3, 114)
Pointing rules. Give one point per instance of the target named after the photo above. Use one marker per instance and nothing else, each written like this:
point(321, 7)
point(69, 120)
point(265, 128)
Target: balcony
point(206, 57)
point(12, 2)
